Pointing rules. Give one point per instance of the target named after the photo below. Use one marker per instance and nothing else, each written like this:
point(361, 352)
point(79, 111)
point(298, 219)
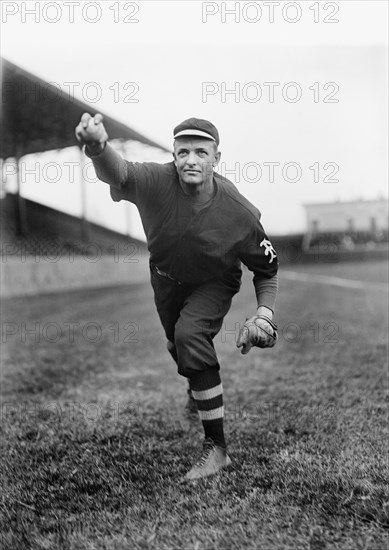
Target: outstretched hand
point(91, 132)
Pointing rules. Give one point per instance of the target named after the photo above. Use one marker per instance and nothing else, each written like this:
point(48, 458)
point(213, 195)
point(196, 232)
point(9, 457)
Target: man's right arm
point(109, 165)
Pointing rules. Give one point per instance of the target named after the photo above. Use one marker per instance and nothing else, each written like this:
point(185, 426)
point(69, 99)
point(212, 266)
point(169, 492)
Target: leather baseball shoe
point(212, 460)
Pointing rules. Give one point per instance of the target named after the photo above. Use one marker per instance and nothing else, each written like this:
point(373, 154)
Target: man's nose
point(192, 158)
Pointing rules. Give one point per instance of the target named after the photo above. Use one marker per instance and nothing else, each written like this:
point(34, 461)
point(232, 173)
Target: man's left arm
point(266, 294)
point(260, 257)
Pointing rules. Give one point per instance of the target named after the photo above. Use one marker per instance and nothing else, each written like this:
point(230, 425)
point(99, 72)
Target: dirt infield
point(95, 444)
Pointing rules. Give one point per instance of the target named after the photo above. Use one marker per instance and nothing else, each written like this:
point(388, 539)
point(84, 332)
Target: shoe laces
point(208, 447)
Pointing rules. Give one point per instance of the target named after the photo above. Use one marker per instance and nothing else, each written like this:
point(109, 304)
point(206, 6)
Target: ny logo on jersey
point(268, 249)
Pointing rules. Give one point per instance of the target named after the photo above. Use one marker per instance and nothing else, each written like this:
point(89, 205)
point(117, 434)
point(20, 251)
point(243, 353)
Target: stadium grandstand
point(59, 229)
point(350, 226)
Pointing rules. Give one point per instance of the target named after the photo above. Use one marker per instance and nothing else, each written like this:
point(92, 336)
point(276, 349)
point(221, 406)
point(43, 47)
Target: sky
point(297, 90)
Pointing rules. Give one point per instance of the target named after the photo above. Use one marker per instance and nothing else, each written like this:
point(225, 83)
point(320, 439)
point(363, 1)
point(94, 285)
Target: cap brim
point(198, 133)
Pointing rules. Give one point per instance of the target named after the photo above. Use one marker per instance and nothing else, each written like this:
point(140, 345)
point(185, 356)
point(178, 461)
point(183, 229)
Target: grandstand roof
point(39, 116)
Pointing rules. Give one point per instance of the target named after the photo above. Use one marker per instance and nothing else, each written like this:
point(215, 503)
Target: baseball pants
point(191, 316)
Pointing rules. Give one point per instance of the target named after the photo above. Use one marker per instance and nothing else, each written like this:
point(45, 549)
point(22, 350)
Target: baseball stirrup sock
point(207, 390)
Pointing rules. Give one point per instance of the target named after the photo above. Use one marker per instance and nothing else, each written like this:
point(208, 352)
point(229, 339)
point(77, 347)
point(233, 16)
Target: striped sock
point(207, 390)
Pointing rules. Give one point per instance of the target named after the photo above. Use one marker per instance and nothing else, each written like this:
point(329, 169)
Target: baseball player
point(199, 229)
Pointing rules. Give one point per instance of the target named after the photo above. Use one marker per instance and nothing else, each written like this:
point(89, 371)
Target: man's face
point(195, 159)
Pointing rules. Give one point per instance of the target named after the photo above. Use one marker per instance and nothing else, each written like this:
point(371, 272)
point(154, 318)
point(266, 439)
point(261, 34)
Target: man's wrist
point(95, 148)
point(264, 310)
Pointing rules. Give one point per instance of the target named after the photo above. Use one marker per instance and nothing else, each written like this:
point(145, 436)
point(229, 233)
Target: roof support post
point(20, 205)
point(84, 221)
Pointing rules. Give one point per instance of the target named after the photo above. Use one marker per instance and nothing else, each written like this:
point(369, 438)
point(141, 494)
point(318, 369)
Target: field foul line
point(328, 280)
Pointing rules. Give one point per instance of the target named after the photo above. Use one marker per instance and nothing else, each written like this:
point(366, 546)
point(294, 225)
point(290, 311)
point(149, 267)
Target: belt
point(164, 274)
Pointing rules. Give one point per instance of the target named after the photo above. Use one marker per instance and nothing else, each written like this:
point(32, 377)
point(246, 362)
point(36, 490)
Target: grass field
point(373, 272)
point(95, 443)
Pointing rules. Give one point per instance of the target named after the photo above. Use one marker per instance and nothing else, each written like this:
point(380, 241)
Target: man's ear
point(175, 158)
point(217, 158)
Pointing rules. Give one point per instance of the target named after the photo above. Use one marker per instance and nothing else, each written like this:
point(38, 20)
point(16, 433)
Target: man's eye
point(202, 153)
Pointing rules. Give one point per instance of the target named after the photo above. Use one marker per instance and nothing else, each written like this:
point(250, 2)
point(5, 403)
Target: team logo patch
point(269, 250)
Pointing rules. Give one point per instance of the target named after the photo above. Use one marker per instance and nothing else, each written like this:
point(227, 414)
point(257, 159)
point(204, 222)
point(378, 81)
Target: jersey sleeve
point(141, 179)
point(258, 254)
point(266, 291)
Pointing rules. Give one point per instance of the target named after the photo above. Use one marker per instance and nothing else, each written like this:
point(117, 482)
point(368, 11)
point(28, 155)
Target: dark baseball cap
point(197, 127)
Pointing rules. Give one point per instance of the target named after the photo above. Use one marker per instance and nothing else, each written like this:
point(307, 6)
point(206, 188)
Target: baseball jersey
point(194, 245)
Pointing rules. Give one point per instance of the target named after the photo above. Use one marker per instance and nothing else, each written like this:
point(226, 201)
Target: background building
point(361, 222)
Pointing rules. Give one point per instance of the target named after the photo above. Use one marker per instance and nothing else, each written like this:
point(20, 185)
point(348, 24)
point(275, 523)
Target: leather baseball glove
point(259, 331)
